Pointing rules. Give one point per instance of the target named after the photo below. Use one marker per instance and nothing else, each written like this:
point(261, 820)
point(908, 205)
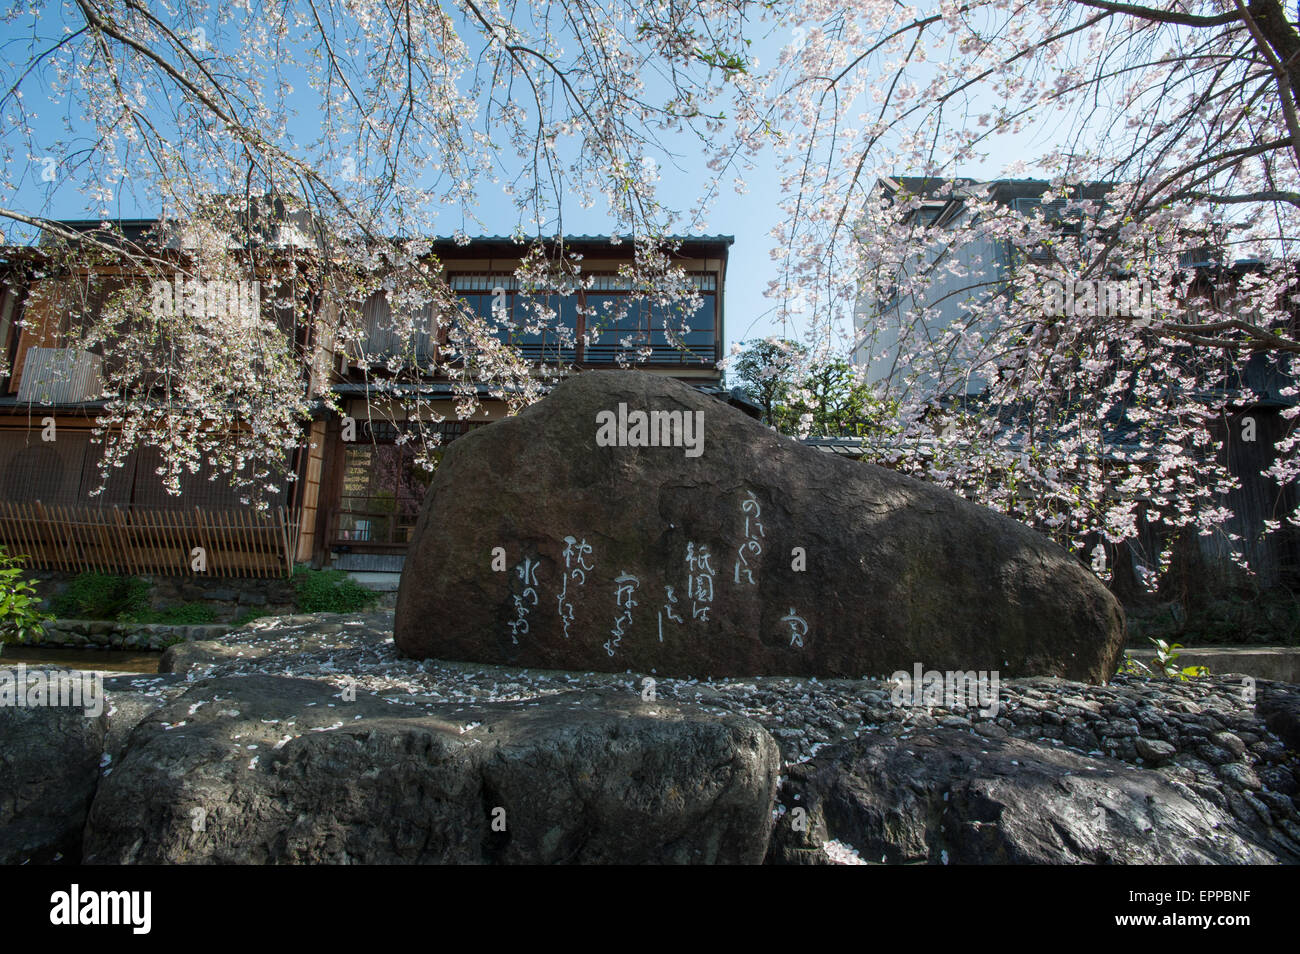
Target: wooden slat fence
point(116, 540)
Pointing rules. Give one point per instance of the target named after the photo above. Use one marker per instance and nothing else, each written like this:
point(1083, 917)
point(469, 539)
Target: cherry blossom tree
point(1166, 134)
point(317, 145)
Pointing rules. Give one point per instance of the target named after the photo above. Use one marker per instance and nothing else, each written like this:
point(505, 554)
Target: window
point(1067, 222)
point(927, 215)
point(614, 325)
point(383, 487)
point(543, 327)
point(546, 327)
point(382, 493)
point(383, 337)
point(622, 328)
point(1197, 258)
point(598, 325)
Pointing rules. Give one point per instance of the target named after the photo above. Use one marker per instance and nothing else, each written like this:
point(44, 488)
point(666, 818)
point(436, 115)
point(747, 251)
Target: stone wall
point(102, 634)
point(228, 597)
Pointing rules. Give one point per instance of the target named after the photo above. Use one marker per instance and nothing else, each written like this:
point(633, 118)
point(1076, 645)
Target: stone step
point(1281, 663)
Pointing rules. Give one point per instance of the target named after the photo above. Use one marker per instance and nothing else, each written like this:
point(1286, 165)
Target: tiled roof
point(137, 227)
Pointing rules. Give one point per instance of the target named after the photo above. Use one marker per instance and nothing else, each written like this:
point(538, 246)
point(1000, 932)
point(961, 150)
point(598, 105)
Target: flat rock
point(272, 636)
point(538, 546)
point(263, 769)
point(1155, 751)
point(947, 797)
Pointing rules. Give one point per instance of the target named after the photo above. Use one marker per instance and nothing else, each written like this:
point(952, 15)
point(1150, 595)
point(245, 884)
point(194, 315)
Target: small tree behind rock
point(21, 619)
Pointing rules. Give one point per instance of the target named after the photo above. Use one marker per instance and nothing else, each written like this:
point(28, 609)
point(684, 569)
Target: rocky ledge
point(104, 634)
point(310, 738)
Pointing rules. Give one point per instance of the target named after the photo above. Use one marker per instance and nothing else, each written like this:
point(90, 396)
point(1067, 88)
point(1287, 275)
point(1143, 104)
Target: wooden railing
point(355, 522)
point(168, 542)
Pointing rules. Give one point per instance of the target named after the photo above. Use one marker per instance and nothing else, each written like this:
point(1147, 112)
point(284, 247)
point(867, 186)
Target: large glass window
point(620, 328)
point(616, 325)
point(543, 327)
point(603, 324)
point(546, 327)
point(382, 492)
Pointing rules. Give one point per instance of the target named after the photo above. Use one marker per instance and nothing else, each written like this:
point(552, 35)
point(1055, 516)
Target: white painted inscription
point(527, 572)
point(751, 548)
point(798, 628)
point(576, 569)
point(699, 586)
point(627, 585)
point(667, 610)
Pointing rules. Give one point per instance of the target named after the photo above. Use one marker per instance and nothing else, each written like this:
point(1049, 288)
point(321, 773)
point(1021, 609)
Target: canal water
point(68, 657)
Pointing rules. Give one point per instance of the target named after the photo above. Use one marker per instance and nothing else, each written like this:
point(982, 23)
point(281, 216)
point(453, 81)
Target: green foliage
point(103, 596)
point(1131, 667)
point(124, 599)
point(330, 591)
point(1167, 662)
point(831, 400)
point(766, 371)
point(187, 614)
point(824, 398)
point(20, 618)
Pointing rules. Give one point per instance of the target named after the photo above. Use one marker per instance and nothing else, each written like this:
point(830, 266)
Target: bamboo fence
point(165, 542)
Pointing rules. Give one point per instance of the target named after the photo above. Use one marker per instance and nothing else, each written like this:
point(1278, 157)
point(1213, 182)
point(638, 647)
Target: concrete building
point(944, 205)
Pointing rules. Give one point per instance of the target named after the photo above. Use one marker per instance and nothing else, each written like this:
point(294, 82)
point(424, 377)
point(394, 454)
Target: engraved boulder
point(630, 521)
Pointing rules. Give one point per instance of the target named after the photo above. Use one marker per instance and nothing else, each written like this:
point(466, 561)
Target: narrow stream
point(67, 657)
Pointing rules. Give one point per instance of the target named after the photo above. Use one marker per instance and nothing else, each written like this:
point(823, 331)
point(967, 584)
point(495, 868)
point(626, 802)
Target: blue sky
point(748, 217)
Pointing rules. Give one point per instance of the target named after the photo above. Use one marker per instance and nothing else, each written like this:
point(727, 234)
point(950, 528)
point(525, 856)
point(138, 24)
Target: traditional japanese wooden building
point(354, 501)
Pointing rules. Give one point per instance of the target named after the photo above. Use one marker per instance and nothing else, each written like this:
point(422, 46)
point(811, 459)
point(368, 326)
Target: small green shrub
point(1167, 662)
point(330, 591)
point(188, 614)
point(103, 596)
point(1131, 667)
point(20, 618)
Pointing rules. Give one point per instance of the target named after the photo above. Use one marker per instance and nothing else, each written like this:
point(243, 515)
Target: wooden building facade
point(354, 501)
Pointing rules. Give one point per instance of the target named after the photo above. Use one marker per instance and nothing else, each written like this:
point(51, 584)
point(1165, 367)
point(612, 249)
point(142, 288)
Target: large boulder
point(552, 539)
point(951, 797)
point(264, 769)
point(49, 766)
point(1279, 708)
point(52, 755)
